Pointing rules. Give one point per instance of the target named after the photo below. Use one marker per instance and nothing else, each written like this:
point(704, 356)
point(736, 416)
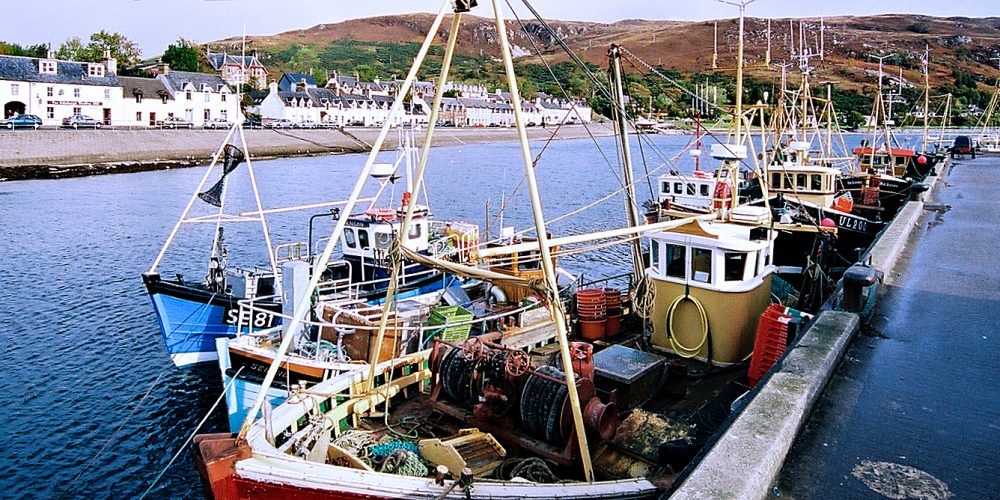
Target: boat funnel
point(382, 170)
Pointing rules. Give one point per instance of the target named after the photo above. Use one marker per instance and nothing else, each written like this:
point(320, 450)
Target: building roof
point(25, 69)
point(176, 80)
point(148, 87)
point(288, 81)
point(217, 60)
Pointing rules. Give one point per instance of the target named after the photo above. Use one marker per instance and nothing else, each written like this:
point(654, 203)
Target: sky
point(154, 24)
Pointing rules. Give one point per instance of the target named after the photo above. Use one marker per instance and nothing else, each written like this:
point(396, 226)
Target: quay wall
point(45, 154)
point(748, 457)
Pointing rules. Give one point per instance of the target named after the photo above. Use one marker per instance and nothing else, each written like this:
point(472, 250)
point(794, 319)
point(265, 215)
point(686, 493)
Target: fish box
point(636, 375)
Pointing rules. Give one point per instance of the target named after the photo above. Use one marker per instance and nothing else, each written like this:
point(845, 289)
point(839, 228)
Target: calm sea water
point(92, 406)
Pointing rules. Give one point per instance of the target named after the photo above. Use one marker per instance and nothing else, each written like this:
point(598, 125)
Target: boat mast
point(631, 212)
point(303, 307)
point(927, 91)
point(548, 268)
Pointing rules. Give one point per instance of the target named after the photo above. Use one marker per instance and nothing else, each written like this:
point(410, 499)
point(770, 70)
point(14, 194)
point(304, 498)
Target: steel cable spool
point(542, 403)
point(456, 377)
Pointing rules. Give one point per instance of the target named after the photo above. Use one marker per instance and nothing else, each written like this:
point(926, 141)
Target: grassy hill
point(961, 51)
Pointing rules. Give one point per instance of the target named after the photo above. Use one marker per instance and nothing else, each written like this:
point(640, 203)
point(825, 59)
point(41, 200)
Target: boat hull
point(731, 334)
point(242, 391)
point(190, 319)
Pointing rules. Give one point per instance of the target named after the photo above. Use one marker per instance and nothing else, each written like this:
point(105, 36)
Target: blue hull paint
point(190, 328)
point(240, 394)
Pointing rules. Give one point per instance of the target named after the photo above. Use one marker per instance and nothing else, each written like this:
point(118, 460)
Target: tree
point(305, 60)
point(124, 50)
point(182, 56)
point(366, 73)
point(13, 49)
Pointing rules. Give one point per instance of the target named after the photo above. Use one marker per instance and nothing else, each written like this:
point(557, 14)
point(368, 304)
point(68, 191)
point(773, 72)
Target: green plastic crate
point(447, 316)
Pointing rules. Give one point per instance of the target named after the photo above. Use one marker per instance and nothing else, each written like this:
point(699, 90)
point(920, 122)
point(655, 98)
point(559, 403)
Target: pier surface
point(913, 409)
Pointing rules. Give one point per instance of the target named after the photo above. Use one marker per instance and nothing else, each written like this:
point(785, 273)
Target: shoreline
point(60, 154)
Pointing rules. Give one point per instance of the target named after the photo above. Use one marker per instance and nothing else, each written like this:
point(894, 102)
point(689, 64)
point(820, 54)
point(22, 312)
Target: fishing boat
point(192, 314)
point(509, 412)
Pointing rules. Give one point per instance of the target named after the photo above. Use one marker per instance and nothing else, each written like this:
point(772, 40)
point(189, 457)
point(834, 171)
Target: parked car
point(22, 121)
point(252, 123)
point(328, 124)
point(215, 123)
point(356, 123)
point(963, 146)
point(174, 122)
point(80, 121)
point(280, 123)
point(307, 124)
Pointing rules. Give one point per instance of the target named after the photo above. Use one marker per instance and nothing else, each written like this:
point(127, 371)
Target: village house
point(344, 101)
point(146, 100)
point(54, 89)
point(236, 70)
point(200, 97)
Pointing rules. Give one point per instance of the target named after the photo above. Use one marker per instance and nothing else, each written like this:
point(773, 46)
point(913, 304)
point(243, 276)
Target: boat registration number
point(853, 223)
point(248, 318)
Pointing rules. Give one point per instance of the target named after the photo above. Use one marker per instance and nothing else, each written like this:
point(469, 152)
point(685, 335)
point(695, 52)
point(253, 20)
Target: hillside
point(384, 46)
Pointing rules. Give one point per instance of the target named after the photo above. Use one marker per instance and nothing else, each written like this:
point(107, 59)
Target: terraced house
point(53, 89)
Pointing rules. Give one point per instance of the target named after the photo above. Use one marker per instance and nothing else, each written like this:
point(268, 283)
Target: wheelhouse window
point(701, 265)
point(675, 259)
point(736, 263)
point(776, 180)
point(665, 187)
point(678, 188)
point(690, 189)
point(382, 240)
point(704, 190)
point(654, 255)
point(363, 238)
point(816, 182)
point(349, 238)
point(800, 181)
point(415, 231)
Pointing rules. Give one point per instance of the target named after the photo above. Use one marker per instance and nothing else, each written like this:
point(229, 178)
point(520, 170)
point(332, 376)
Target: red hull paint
point(251, 490)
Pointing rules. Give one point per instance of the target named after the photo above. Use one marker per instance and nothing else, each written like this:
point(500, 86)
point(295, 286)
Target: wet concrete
point(913, 411)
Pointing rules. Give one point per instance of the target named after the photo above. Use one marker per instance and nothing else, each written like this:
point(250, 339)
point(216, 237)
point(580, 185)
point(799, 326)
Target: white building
point(54, 89)
point(344, 101)
point(146, 100)
point(199, 97)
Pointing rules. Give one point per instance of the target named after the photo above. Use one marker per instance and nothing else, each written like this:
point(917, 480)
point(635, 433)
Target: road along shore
point(53, 154)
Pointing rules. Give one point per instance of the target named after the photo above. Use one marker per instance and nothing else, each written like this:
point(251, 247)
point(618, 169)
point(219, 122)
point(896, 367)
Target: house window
point(189, 95)
point(138, 116)
point(50, 112)
point(701, 265)
point(208, 97)
point(49, 91)
point(222, 97)
point(14, 88)
point(675, 260)
point(77, 111)
point(107, 93)
point(208, 115)
point(735, 265)
point(47, 67)
point(95, 70)
point(76, 92)
point(224, 115)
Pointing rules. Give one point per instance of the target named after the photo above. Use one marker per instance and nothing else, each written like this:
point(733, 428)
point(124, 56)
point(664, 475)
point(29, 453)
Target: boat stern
point(215, 456)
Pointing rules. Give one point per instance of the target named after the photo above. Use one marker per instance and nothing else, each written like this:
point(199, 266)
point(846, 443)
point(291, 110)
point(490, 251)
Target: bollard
point(856, 279)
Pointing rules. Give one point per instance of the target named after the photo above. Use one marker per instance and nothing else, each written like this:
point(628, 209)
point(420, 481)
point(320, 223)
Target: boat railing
point(287, 252)
point(356, 316)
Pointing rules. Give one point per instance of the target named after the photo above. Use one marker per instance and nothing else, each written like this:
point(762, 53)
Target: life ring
point(381, 214)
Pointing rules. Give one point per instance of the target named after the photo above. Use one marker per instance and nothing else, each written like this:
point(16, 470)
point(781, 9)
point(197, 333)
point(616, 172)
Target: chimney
point(110, 63)
point(50, 54)
point(162, 68)
point(273, 87)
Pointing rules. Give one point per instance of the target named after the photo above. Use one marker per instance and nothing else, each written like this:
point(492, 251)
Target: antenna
point(822, 38)
point(715, 47)
point(791, 33)
point(767, 56)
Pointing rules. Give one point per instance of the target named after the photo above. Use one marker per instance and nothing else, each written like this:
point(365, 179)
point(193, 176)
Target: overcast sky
point(154, 24)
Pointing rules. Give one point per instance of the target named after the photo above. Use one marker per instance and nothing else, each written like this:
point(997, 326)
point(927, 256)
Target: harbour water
point(92, 405)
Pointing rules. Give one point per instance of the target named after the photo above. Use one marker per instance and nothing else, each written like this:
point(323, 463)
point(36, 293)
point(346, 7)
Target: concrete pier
point(913, 411)
point(53, 153)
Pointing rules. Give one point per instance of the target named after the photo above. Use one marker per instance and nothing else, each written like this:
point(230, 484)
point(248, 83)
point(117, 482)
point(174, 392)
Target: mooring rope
point(193, 434)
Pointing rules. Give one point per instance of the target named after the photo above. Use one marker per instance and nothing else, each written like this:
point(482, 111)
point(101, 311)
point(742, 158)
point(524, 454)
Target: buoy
point(827, 222)
point(921, 159)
